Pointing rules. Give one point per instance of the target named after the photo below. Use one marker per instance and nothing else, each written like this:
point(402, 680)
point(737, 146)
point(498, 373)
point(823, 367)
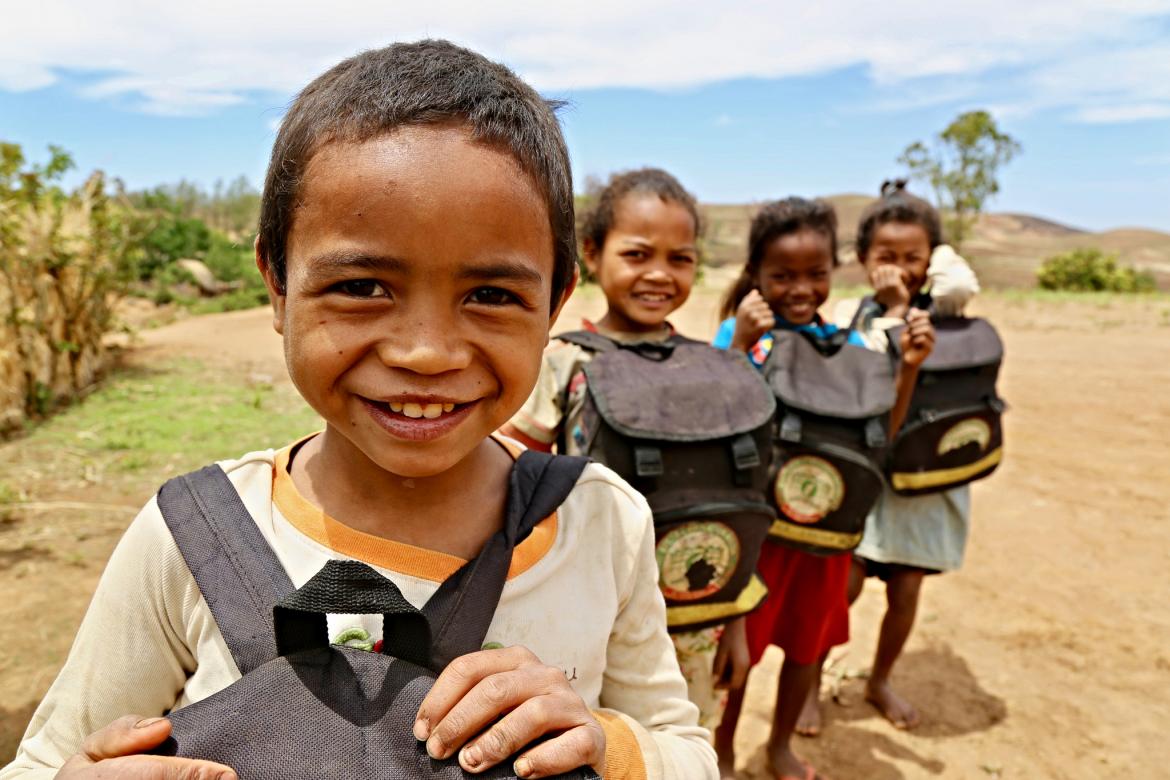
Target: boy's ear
point(591, 254)
point(572, 285)
point(274, 292)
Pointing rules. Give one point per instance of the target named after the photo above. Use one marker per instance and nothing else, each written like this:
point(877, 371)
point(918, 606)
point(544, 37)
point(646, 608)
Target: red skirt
point(807, 609)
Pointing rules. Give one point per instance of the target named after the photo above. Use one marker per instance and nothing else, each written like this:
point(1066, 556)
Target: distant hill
point(1005, 248)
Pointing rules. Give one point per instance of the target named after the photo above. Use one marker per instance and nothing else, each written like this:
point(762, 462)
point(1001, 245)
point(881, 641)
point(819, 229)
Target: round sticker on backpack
point(696, 560)
point(808, 488)
point(973, 430)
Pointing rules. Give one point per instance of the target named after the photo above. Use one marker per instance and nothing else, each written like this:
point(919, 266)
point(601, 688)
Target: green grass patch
point(1101, 299)
point(175, 416)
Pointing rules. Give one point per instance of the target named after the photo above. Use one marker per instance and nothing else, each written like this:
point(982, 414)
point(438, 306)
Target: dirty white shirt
point(582, 594)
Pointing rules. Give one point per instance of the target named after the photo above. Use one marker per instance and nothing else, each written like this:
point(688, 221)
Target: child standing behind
point(792, 251)
point(640, 242)
point(899, 240)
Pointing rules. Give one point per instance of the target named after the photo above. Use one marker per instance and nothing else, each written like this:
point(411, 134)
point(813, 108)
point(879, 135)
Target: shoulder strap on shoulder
point(234, 567)
point(590, 340)
point(461, 610)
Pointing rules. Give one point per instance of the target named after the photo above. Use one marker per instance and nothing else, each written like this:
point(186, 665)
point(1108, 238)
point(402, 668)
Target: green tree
point(961, 165)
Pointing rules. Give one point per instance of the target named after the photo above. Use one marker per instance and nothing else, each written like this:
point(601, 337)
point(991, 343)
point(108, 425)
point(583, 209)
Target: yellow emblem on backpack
point(808, 488)
point(973, 430)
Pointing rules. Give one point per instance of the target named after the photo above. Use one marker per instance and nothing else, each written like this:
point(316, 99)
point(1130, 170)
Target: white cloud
point(723, 120)
point(1131, 112)
point(183, 58)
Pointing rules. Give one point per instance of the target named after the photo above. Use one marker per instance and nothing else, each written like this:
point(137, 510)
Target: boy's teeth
point(395, 406)
point(431, 411)
point(448, 407)
point(412, 410)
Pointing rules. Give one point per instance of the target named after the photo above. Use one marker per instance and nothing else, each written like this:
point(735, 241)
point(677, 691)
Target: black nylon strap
point(234, 567)
point(461, 610)
point(351, 588)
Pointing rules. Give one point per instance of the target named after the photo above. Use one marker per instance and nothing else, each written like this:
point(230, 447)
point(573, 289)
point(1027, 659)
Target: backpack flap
point(700, 393)
point(854, 383)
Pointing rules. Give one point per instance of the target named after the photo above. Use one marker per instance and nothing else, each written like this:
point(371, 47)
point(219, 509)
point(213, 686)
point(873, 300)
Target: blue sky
point(753, 102)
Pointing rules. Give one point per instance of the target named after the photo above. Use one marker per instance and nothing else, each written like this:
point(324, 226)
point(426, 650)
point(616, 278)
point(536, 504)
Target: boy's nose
point(425, 348)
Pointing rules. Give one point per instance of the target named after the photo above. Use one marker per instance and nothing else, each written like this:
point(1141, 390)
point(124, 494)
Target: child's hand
point(113, 752)
point(753, 318)
point(521, 700)
point(917, 338)
point(732, 659)
point(889, 289)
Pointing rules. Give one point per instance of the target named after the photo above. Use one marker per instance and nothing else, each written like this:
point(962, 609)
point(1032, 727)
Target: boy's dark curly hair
point(598, 221)
point(425, 83)
point(896, 204)
point(773, 220)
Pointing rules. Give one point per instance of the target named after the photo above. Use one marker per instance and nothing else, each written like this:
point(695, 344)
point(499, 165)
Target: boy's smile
point(795, 275)
point(418, 293)
point(646, 266)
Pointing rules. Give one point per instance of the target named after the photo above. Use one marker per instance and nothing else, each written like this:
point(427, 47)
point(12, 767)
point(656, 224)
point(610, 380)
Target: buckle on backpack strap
point(746, 457)
point(875, 435)
point(648, 462)
point(790, 428)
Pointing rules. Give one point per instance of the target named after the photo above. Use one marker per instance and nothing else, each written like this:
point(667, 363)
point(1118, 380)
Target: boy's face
point(904, 245)
point(418, 290)
point(796, 274)
point(646, 267)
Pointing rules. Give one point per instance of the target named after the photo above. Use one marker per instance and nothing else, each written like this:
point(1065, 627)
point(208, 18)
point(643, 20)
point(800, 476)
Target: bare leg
point(856, 580)
point(725, 734)
point(902, 592)
point(809, 722)
point(795, 682)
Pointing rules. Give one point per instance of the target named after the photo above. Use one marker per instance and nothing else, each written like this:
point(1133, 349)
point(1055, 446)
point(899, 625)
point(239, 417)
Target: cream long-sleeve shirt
point(582, 594)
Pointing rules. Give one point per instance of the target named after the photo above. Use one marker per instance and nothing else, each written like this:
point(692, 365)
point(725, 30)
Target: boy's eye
point(687, 259)
point(492, 296)
point(634, 254)
point(362, 288)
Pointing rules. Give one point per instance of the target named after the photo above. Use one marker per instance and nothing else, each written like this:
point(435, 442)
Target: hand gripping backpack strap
point(461, 610)
point(234, 567)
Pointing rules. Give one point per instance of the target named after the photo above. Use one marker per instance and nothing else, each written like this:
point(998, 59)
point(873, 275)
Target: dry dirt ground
point(1046, 656)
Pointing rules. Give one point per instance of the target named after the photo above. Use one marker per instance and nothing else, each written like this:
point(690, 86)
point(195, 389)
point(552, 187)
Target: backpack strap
point(461, 610)
point(588, 339)
point(234, 567)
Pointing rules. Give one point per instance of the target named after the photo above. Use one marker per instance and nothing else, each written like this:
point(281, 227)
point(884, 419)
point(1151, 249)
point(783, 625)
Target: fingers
point(456, 681)
point(581, 746)
point(126, 736)
point(112, 752)
point(159, 768)
point(533, 719)
point(528, 689)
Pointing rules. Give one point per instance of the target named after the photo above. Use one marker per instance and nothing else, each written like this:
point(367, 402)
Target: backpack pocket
point(944, 450)
point(823, 493)
point(707, 555)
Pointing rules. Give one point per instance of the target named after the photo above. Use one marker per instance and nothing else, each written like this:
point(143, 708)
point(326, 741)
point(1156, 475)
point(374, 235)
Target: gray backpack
point(688, 426)
point(833, 405)
point(308, 709)
point(953, 433)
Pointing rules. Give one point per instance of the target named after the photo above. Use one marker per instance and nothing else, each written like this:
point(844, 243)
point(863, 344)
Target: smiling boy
point(417, 240)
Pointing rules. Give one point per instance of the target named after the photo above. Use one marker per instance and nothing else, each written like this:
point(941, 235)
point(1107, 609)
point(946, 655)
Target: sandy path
point(1048, 655)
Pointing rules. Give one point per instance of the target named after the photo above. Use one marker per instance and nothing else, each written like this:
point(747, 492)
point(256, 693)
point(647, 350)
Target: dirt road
point(1046, 656)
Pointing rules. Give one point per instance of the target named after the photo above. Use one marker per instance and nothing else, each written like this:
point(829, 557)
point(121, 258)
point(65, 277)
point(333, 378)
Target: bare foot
point(895, 709)
point(809, 722)
point(786, 766)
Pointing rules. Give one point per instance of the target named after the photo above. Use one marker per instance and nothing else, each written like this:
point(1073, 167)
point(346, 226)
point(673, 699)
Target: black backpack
point(687, 425)
point(953, 433)
point(305, 708)
point(832, 419)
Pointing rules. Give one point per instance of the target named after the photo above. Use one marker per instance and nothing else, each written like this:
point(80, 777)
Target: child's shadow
point(940, 685)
